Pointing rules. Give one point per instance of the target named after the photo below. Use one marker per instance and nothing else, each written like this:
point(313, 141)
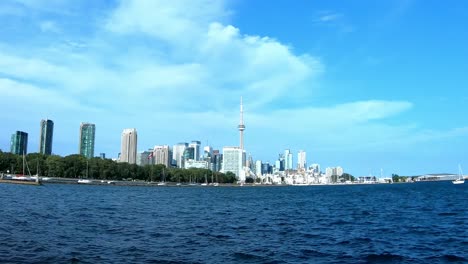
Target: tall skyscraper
point(47, 134)
point(87, 136)
point(288, 160)
point(189, 153)
point(258, 168)
point(241, 125)
point(19, 143)
point(128, 150)
point(162, 155)
point(301, 160)
point(233, 160)
point(178, 153)
point(217, 160)
point(207, 151)
point(195, 144)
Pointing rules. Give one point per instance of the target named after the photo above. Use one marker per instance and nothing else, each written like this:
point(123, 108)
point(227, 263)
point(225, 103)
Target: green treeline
point(76, 166)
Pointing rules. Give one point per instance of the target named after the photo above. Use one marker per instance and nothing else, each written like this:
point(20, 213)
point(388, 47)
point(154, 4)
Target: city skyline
point(362, 90)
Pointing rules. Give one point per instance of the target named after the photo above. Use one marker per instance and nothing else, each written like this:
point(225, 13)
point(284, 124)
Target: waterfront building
point(250, 163)
point(144, 157)
point(207, 151)
point(258, 168)
point(195, 144)
point(199, 164)
point(19, 143)
point(178, 153)
point(189, 154)
point(162, 155)
point(217, 160)
point(288, 160)
point(46, 137)
point(87, 137)
point(315, 168)
point(233, 161)
point(266, 168)
point(333, 173)
point(301, 160)
point(128, 150)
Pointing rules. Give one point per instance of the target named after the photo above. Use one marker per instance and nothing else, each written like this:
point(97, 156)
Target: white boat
point(460, 179)
point(163, 179)
point(84, 181)
point(206, 182)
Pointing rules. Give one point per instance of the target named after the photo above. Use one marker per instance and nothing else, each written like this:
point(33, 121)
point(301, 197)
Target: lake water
point(398, 223)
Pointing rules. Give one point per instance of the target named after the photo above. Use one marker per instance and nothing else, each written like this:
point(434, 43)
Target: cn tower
point(241, 125)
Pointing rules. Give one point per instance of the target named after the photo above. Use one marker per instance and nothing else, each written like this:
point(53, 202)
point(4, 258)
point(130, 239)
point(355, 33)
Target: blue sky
point(363, 84)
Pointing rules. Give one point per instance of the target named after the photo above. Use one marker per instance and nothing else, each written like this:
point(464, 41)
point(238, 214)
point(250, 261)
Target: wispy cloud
point(49, 26)
point(330, 17)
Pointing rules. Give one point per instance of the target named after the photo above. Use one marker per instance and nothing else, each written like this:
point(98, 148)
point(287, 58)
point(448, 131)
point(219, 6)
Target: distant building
point(334, 172)
point(178, 154)
point(217, 160)
point(195, 144)
point(189, 154)
point(199, 164)
point(315, 168)
point(258, 168)
point(233, 160)
point(266, 168)
point(102, 155)
point(128, 149)
point(162, 155)
point(19, 143)
point(207, 151)
point(144, 157)
point(301, 160)
point(87, 137)
point(46, 137)
point(288, 160)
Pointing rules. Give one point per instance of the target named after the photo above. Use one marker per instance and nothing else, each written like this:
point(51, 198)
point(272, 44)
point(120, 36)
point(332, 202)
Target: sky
point(372, 86)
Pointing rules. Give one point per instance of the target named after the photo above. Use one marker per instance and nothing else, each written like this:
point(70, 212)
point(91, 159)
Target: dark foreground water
point(399, 223)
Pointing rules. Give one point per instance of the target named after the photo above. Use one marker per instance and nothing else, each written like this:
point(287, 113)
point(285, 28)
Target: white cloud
point(49, 26)
point(175, 70)
point(329, 17)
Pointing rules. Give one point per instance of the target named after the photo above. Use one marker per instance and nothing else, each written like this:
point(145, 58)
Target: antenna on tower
point(241, 125)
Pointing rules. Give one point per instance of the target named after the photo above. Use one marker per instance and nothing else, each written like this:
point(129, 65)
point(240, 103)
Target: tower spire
point(241, 125)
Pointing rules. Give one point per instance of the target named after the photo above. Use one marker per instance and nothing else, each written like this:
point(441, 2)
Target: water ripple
point(400, 223)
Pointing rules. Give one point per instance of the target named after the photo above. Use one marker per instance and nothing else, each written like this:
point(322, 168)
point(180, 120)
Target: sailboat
point(214, 183)
point(163, 179)
point(85, 181)
point(460, 179)
point(22, 179)
point(206, 182)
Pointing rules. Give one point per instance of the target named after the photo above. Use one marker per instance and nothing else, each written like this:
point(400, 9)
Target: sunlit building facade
point(87, 137)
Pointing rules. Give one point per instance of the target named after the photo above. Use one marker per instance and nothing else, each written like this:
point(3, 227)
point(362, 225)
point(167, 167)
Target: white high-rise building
point(178, 152)
point(128, 150)
point(196, 146)
point(258, 168)
point(288, 160)
point(301, 160)
point(233, 160)
point(162, 155)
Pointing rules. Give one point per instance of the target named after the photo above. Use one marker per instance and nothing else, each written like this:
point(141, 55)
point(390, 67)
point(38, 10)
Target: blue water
point(399, 223)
